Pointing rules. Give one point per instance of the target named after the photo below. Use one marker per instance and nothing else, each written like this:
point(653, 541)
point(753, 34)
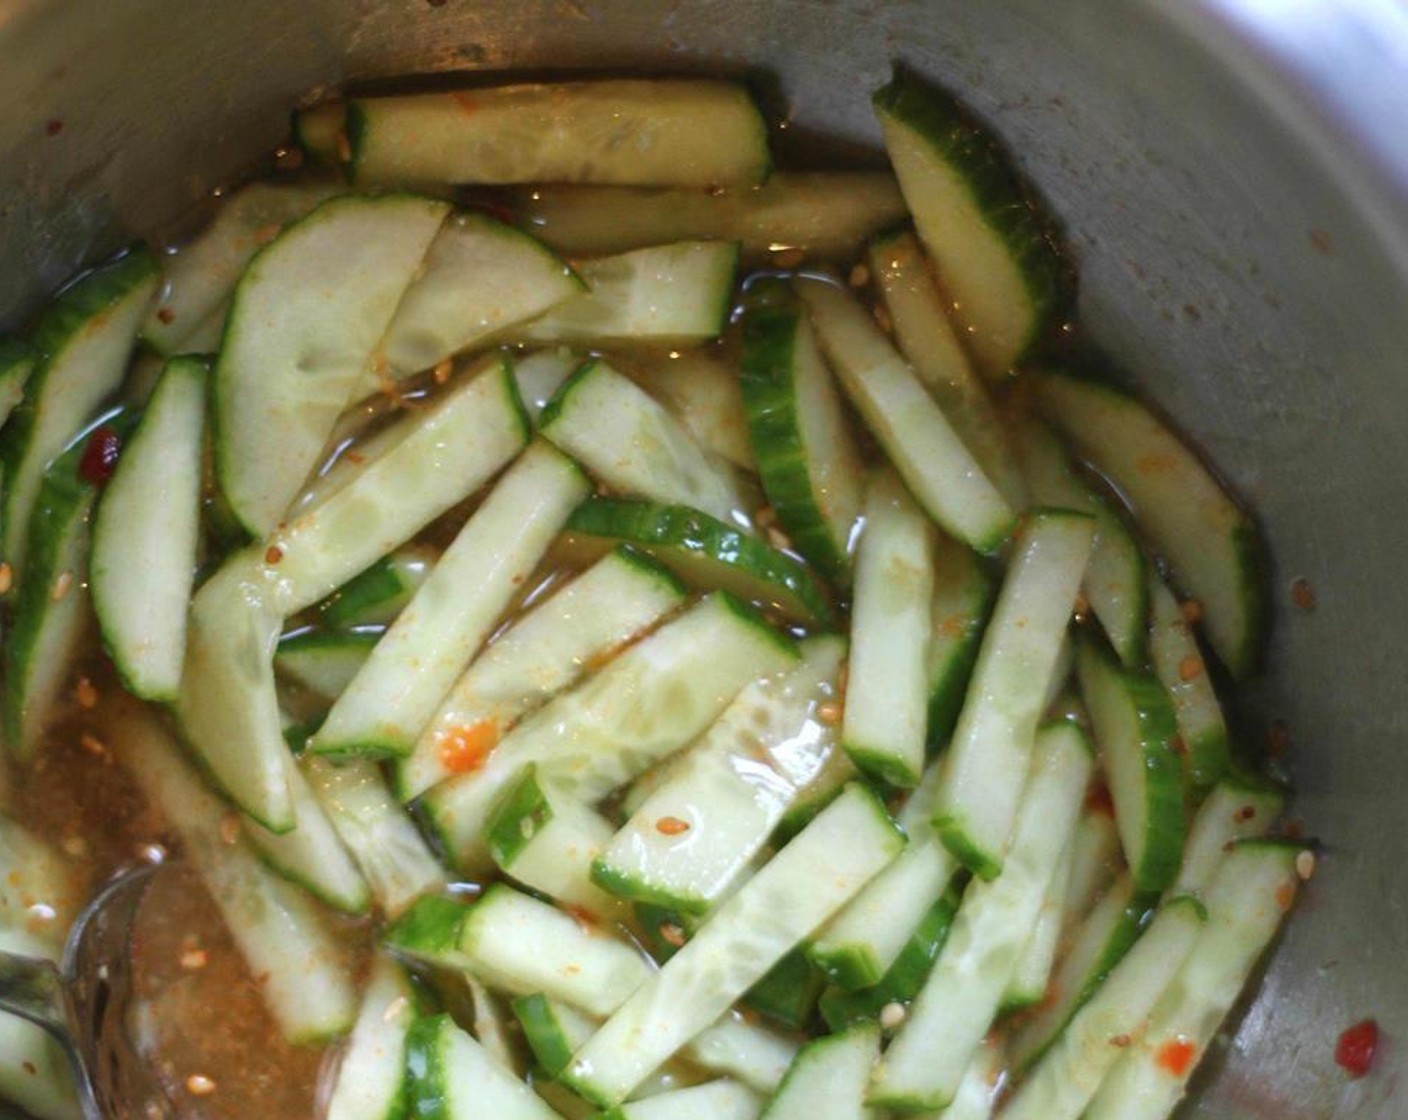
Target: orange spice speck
point(193, 960)
point(672, 934)
point(830, 713)
point(1192, 610)
point(85, 694)
point(198, 1085)
point(1176, 1056)
point(671, 826)
point(273, 554)
point(61, 586)
point(466, 749)
point(1285, 895)
point(166, 315)
point(265, 234)
point(1303, 595)
point(1190, 668)
point(7, 577)
point(229, 828)
point(441, 373)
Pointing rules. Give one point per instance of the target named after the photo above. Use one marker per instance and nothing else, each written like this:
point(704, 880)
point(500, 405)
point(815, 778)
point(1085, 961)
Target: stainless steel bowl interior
point(1232, 176)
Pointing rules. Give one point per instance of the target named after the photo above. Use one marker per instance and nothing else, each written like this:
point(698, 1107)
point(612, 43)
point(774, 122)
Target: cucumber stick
point(1178, 663)
point(988, 758)
point(963, 597)
point(1246, 902)
point(1096, 858)
point(450, 1076)
point(296, 346)
point(700, 388)
point(479, 278)
point(1065, 1080)
point(635, 132)
point(858, 947)
point(378, 595)
point(706, 553)
point(547, 649)
point(1098, 943)
point(276, 928)
point(145, 534)
point(548, 842)
point(714, 1100)
point(640, 707)
point(311, 854)
point(979, 1086)
point(807, 458)
point(321, 132)
point(630, 442)
point(692, 838)
point(1114, 583)
point(829, 1078)
point(1029, 982)
point(887, 692)
point(458, 444)
point(197, 279)
point(812, 877)
point(1233, 810)
point(541, 374)
point(383, 840)
point(956, 1007)
point(665, 295)
point(825, 214)
point(396, 693)
point(228, 708)
point(1135, 728)
point(82, 342)
point(324, 661)
point(34, 1073)
point(926, 337)
point(16, 364)
point(994, 253)
point(51, 614)
point(919, 440)
point(1213, 547)
point(371, 1078)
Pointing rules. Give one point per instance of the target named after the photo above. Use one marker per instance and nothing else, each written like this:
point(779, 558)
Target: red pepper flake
point(466, 749)
point(441, 373)
point(7, 577)
point(672, 934)
point(166, 315)
point(273, 554)
point(585, 919)
point(1285, 895)
point(830, 712)
point(1190, 668)
point(671, 826)
point(1302, 594)
point(1120, 1041)
point(1192, 610)
point(53, 127)
point(1355, 1050)
point(1176, 1056)
point(100, 456)
point(1244, 814)
point(1180, 747)
point(1098, 800)
point(30, 1068)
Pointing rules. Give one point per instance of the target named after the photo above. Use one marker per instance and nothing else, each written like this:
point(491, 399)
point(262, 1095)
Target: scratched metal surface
point(1231, 177)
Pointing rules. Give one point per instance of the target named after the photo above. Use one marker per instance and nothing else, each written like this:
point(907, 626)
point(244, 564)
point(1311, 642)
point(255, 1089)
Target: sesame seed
point(75, 846)
point(892, 1015)
point(1305, 865)
point(85, 694)
point(193, 960)
point(230, 828)
point(859, 277)
point(1120, 1041)
point(198, 1085)
point(61, 586)
point(441, 373)
point(93, 745)
point(830, 713)
point(671, 826)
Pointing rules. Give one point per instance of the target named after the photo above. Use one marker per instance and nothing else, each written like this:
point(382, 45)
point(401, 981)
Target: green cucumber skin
point(770, 327)
point(905, 977)
point(549, 1047)
point(17, 359)
point(368, 598)
point(554, 408)
point(424, 1083)
point(788, 993)
point(1007, 204)
point(523, 811)
point(947, 690)
point(430, 929)
point(631, 888)
point(649, 526)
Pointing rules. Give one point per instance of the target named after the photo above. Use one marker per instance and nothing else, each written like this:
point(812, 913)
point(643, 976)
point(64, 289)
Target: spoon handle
point(32, 988)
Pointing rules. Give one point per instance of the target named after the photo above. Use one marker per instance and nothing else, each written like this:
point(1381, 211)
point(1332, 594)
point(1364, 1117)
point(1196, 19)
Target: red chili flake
point(1302, 594)
point(1176, 1056)
point(671, 826)
point(672, 934)
point(1355, 1050)
point(1191, 609)
point(166, 315)
point(30, 1068)
point(1190, 668)
point(1285, 895)
point(53, 127)
point(273, 554)
point(1245, 813)
point(465, 749)
point(100, 456)
point(1098, 800)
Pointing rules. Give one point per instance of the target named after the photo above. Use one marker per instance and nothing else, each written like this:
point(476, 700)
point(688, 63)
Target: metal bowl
point(1233, 175)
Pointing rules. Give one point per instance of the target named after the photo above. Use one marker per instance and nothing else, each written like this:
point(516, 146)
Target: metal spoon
point(82, 1002)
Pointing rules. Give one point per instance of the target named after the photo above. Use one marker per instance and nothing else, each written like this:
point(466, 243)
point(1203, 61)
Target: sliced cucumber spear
point(627, 439)
point(324, 661)
point(371, 1078)
point(643, 705)
point(690, 840)
point(1135, 728)
point(963, 598)
point(278, 930)
point(634, 132)
point(1246, 902)
point(321, 131)
point(378, 595)
point(930, 344)
point(925, 1064)
point(825, 214)
point(1065, 1080)
point(541, 374)
point(920, 442)
point(547, 649)
point(396, 693)
point(887, 690)
point(807, 458)
point(1213, 546)
point(1235, 809)
point(829, 1077)
point(707, 553)
point(452, 1077)
point(700, 388)
point(478, 279)
point(994, 252)
point(988, 758)
point(16, 364)
point(456, 446)
point(714, 1100)
point(146, 532)
point(83, 342)
point(297, 345)
point(812, 877)
point(199, 277)
point(51, 612)
point(664, 295)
